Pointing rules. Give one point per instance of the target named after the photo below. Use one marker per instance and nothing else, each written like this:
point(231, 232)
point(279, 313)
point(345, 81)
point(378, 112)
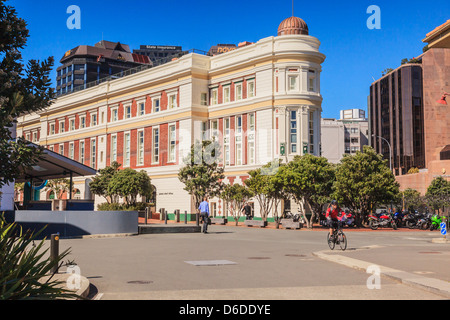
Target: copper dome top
point(293, 25)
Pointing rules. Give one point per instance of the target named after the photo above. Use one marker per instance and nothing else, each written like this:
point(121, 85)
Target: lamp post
point(390, 150)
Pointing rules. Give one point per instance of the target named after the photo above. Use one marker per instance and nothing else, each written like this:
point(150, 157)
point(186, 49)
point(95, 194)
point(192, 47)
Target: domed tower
point(293, 25)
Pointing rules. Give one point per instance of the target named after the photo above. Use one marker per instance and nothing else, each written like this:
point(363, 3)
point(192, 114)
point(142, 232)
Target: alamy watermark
point(74, 20)
point(374, 281)
point(374, 21)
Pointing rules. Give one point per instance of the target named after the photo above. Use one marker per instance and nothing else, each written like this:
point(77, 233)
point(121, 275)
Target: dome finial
point(293, 25)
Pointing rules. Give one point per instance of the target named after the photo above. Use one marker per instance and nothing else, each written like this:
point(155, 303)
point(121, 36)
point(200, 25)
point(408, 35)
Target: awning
point(54, 166)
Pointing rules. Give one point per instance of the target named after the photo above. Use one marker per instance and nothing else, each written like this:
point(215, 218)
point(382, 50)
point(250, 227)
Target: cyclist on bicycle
point(332, 215)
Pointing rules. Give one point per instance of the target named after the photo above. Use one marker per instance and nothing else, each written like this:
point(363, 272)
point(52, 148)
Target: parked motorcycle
point(347, 219)
point(383, 220)
point(414, 220)
point(398, 218)
point(436, 221)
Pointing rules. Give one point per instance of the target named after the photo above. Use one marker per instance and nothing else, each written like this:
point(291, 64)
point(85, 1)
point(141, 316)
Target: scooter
point(436, 221)
point(398, 218)
point(384, 220)
point(412, 220)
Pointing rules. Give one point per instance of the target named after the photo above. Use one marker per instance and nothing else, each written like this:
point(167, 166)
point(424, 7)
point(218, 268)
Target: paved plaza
point(241, 263)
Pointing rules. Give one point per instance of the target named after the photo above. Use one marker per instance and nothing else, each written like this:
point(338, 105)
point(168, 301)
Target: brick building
point(253, 100)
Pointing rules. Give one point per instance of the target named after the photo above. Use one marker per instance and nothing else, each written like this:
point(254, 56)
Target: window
point(204, 130)
point(155, 103)
point(35, 136)
point(52, 128)
point(61, 126)
point(114, 114)
point(72, 124)
point(292, 83)
point(293, 132)
point(93, 119)
point(226, 94)
point(127, 150)
point(311, 132)
point(141, 108)
point(27, 137)
point(238, 141)
point(172, 143)
point(93, 153)
point(155, 153)
point(113, 148)
point(71, 150)
point(214, 130)
point(82, 151)
point(311, 80)
point(251, 89)
point(204, 99)
point(238, 93)
point(172, 101)
point(82, 122)
point(214, 97)
point(127, 112)
point(251, 139)
point(140, 148)
point(226, 141)
point(61, 149)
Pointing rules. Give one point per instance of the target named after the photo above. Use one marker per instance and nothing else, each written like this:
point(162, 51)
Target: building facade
point(87, 64)
point(396, 115)
point(253, 100)
point(405, 109)
point(347, 135)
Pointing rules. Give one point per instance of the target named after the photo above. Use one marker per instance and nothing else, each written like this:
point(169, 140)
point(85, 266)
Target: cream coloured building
point(255, 100)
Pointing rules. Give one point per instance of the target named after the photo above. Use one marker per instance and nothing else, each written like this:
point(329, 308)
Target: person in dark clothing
point(247, 209)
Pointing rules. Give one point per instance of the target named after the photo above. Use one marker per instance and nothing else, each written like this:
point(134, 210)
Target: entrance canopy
point(54, 166)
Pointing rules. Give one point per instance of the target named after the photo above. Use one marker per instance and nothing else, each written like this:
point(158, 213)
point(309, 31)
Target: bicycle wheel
point(331, 242)
point(342, 241)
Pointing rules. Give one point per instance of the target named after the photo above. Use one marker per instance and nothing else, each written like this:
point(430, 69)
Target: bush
point(138, 206)
point(23, 267)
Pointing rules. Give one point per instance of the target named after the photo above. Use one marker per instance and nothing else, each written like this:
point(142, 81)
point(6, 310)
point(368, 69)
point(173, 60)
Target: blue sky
point(354, 53)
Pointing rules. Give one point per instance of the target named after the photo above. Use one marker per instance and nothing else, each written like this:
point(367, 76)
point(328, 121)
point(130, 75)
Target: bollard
point(197, 218)
point(185, 217)
point(165, 215)
point(177, 215)
point(54, 251)
point(146, 215)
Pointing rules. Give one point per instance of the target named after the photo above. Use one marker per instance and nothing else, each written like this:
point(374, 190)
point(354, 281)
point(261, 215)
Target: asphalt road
point(263, 264)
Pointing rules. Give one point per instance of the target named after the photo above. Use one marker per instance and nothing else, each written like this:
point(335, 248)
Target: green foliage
point(308, 178)
point(22, 90)
point(129, 183)
point(438, 193)
point(25, 268)
point(235, 196)
point(261, 184)
point(412, 200)
point(201, 174)
point(99, 184)
point(363, 181)
point(58, 186)
point(138, 206)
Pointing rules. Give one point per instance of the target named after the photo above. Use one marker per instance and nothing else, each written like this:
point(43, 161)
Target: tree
point(129, 184)
point(364, 181)
point(310, 179)
point(22, 90)
point(58, 186)
point(411, 199)
point(201, 174)
point(99, 184)
point(438, 193)
point(235, 196)
point(261, 186)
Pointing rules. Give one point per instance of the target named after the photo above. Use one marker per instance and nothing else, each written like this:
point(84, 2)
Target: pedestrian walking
point(204, 213)
point(248, 211)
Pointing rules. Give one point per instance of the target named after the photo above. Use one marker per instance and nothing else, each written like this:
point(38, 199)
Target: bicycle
point(338, 237)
